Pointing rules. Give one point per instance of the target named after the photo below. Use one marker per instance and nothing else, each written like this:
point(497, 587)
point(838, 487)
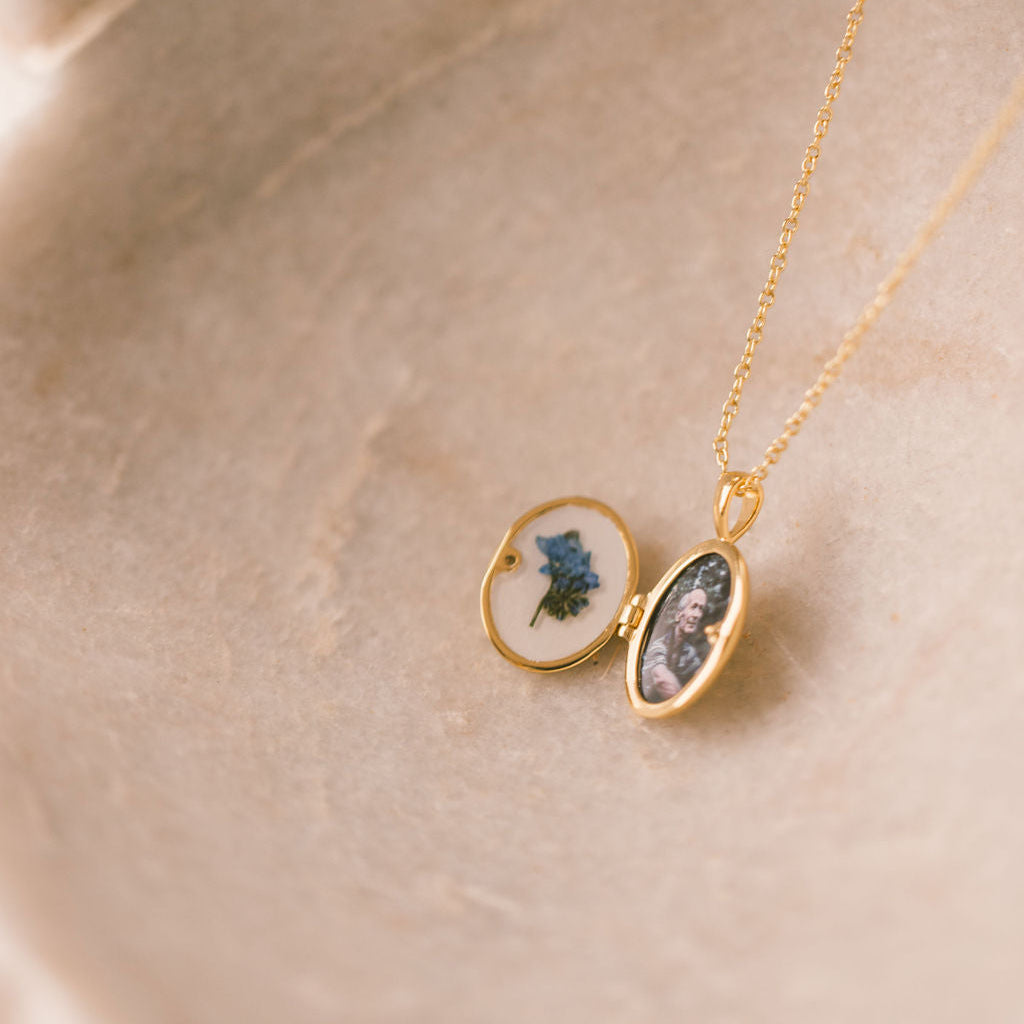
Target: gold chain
point(789, 226)
point(962, 181)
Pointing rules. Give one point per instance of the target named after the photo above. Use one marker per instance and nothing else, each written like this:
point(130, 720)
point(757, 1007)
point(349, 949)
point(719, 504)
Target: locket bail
point(736, 485)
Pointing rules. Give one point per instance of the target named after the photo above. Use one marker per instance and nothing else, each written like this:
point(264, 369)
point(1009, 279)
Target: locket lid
point(558, 583)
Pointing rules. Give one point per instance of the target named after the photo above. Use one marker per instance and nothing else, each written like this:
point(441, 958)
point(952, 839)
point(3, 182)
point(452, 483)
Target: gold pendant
point(563, 582)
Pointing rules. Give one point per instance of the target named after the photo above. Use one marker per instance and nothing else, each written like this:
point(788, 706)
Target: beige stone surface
point(34, 28)
point(300, 305)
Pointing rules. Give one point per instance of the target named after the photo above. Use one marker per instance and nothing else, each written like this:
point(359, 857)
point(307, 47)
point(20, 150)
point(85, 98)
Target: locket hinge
point(631, 616)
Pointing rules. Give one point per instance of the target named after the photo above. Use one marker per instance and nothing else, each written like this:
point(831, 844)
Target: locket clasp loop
point(749, 490)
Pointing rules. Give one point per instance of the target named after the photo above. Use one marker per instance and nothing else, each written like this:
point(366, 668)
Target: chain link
point(962, 181)
point(789, 227)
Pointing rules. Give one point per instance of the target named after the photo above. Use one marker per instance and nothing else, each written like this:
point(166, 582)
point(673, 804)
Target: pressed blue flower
point(568, 566)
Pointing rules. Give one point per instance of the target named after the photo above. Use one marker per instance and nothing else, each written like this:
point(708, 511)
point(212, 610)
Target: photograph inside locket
point(684, 628)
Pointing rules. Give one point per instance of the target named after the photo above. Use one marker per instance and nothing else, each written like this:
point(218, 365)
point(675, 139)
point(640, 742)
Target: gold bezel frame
point(506, 559)
point(728, 631)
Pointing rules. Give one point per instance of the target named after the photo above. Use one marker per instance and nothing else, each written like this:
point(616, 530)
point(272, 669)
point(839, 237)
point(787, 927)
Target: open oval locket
point(563, 581)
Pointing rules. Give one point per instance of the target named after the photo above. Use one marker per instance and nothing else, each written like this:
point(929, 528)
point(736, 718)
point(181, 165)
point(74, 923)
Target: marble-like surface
point(27, 26)
point(302, 304)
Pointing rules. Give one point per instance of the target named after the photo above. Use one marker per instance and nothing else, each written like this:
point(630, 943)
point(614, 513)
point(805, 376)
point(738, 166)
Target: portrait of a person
point(673, 658)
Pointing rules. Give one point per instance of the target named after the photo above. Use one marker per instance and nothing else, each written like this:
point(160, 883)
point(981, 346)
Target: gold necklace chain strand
point(789, 227)
point(964, 178)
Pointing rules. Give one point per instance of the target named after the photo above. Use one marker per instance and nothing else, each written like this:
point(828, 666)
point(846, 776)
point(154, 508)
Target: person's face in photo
point(691, 612)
